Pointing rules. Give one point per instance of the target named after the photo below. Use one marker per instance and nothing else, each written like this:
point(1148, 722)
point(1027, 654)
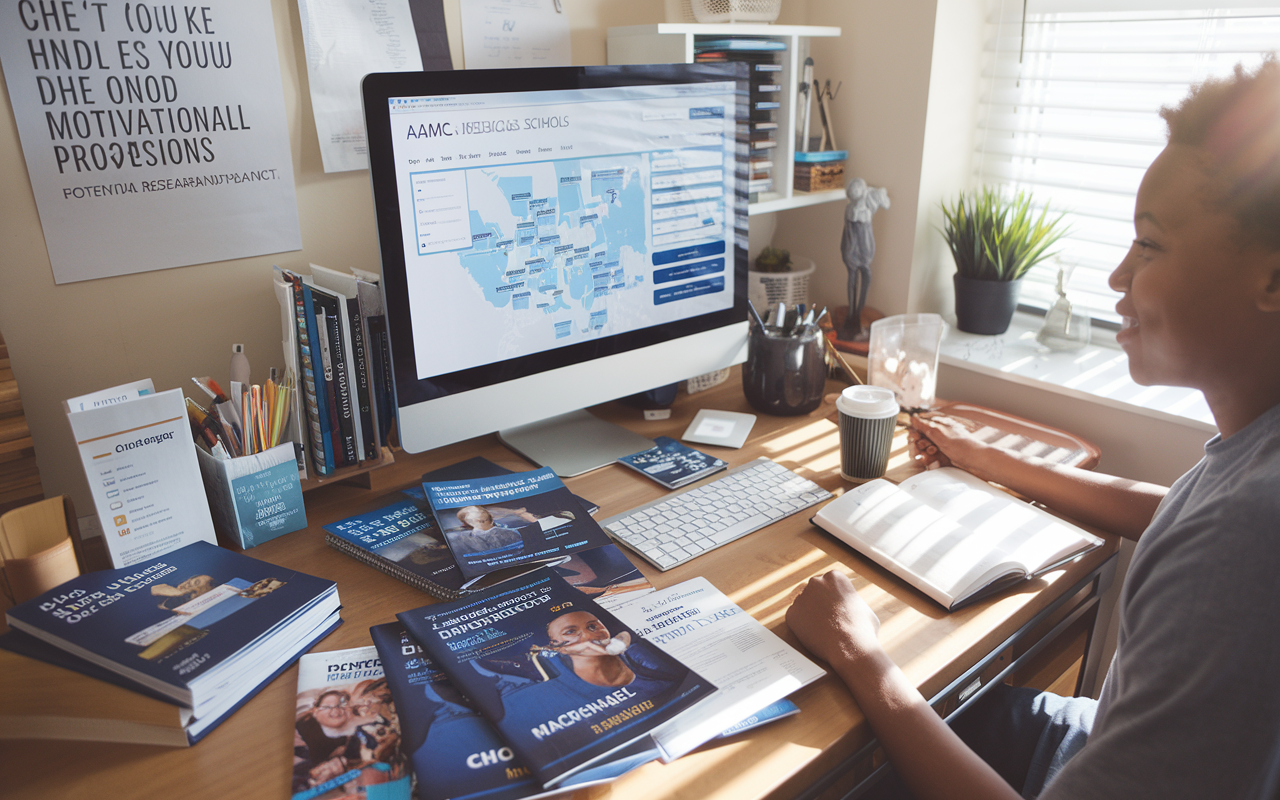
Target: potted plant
point(994, 241)
point(778, 277)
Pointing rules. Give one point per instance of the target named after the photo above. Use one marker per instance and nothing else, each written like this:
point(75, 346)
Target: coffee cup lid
point(870, 402)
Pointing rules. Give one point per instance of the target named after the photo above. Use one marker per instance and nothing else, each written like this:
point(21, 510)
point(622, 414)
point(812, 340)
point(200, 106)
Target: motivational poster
point(154, 133)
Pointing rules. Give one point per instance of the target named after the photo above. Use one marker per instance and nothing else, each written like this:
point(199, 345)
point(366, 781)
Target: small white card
point(725, 428)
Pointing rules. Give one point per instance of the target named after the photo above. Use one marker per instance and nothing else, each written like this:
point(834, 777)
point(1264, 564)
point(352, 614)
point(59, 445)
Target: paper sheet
point(514, 33)
point(750, 665)
point(154, 134)
point(345, 40)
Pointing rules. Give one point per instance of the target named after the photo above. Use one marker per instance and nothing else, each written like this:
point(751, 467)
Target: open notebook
point(951, 535)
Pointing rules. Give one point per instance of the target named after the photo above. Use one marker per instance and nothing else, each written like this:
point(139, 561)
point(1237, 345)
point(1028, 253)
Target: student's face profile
point(1185, 277)
point(575, 630)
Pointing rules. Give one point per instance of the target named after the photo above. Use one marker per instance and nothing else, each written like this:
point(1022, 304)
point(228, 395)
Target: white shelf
point(775, 202)
point(673, 43)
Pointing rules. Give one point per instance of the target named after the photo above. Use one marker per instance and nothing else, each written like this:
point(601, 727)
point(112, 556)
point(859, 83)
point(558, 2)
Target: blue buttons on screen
point(686, 253)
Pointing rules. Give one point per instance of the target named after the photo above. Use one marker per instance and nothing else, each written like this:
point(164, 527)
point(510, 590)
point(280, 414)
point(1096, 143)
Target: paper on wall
point(514, 33)
point(154, 134)
point(346, 40)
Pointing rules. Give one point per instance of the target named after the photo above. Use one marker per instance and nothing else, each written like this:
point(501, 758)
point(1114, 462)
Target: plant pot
point(985, 307)
point(767, 289)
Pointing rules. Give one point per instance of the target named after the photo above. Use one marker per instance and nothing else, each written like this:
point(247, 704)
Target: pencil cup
point(868, 415)
point(785, 374)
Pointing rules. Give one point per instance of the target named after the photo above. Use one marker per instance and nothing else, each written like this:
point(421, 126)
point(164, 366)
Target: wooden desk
point(250, 755)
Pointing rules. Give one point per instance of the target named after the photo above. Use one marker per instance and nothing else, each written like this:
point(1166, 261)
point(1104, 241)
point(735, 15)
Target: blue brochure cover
point(456, 754)
point(402, 540)
point(567, 685)
point(672, 464)
point(168, 621)
point(495, 523)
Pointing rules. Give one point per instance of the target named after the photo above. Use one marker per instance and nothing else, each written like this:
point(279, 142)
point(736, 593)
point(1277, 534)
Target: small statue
point(857, 248)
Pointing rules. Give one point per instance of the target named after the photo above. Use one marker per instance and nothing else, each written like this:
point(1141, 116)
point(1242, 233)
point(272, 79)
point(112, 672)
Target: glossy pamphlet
point(495, 523)
point(347, 736)
point(566, 684)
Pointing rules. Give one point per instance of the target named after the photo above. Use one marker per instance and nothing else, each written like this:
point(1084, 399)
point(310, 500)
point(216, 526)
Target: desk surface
point(250, 755)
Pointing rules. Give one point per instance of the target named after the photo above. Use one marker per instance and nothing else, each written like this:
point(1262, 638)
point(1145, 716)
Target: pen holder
point(255, 498)
point(785, 374)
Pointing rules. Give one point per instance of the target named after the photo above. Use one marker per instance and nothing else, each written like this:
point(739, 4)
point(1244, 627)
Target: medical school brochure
point(499, 522)
point(564, 682)
point(346, 733)
point(695, 623)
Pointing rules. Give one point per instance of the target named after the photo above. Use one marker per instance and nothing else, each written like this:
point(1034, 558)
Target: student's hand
point(832, 621)
point(940, 440)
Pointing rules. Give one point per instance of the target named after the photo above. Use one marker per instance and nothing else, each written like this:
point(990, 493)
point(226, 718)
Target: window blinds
point(1069, 110)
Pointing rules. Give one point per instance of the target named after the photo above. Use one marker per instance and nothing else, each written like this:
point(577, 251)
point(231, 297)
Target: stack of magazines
point(763, 57)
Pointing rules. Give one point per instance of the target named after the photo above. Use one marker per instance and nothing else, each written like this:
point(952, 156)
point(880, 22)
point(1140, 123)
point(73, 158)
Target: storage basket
point(718, 11)
point(766, 289)
point(701, 383)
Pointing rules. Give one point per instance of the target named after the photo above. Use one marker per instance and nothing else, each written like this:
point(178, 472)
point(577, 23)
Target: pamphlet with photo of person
point(495, 523)
point(346, 734)
point(565, 683)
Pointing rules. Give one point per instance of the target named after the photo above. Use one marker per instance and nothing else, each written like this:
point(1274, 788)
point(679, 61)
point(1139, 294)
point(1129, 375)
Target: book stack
point(335, 336)
point(763, 56)
point(201, 629)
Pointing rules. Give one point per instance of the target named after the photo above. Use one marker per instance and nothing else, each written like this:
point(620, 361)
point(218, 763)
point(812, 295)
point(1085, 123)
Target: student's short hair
point(1235, 120)
point(463, 513)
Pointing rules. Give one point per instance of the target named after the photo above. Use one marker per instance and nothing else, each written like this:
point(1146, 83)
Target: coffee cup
point(868, 415)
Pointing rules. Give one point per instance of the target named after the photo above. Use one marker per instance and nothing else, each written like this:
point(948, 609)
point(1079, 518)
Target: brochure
point(495, 523)
point(694, 622)
point(346, 733)
point(567, 684)
point(673, 464)
point(402, 540)
point(456, 754)
point(136, 448)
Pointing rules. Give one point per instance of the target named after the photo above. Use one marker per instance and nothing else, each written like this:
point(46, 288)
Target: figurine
point(857, 248)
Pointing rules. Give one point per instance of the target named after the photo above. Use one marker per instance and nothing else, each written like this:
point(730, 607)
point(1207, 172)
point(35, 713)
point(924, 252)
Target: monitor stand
point(573, 443)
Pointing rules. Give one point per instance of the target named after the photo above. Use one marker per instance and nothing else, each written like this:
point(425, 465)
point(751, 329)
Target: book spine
point(364, 391)
point(321, 384)
point(342, 386)
point(385, 379)
point(307, 367)
point(334, 436)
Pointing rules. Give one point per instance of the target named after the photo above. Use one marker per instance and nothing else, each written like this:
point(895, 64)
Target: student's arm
point(834, 623)
point(1113, 504)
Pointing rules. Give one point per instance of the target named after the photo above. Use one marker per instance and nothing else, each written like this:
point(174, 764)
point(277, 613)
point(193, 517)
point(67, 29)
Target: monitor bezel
point(378, 88)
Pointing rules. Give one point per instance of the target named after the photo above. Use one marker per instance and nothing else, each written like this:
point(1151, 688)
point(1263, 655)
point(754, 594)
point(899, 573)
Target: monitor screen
point(538, 220)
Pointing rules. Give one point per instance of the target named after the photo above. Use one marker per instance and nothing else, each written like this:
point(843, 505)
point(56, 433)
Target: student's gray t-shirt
point(1191, 705)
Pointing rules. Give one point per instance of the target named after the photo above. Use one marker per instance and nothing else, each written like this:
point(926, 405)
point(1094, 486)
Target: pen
point(755, 314)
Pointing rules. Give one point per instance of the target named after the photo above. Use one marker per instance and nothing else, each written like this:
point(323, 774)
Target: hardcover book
point(672, 464)
point(951, 535)
point(566, 684)
point(201, 626)
point(347, 740)
point(495, 523)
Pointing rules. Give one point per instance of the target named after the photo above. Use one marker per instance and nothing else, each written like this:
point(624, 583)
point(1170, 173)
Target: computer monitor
point(554, 238)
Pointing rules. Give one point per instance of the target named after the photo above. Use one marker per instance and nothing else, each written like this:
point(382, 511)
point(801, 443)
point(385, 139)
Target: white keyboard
point(688, 523)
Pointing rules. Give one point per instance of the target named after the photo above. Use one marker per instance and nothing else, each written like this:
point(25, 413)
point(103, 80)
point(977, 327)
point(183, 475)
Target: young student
point(1191, 705)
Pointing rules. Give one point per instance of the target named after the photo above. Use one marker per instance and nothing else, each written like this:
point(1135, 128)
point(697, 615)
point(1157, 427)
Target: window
point(1069, 111)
